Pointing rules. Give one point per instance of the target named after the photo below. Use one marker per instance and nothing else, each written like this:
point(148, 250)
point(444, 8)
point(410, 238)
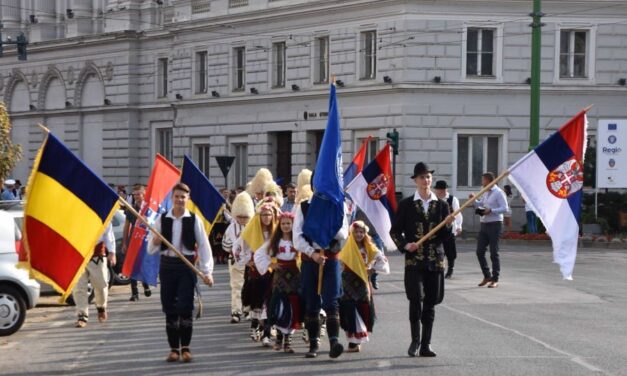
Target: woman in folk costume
point(360, 257)
point(279, 255)
point(242, 211)
point(257, 287)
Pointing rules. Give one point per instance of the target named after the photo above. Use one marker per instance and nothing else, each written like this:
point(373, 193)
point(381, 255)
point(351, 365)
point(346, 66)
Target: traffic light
point(21, 43)
point(393, 140)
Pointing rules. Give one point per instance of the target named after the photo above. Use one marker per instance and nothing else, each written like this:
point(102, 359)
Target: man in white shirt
point(450, 248)
point(178, 282)
point(96, 272)
point(491, 208)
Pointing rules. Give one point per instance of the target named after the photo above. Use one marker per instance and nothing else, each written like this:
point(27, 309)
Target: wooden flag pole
point(320, 271)
point(466, 204)
point(163, 239)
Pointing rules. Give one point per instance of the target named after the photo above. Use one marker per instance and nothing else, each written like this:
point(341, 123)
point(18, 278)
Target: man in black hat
point(450, 248)
point(424, 265)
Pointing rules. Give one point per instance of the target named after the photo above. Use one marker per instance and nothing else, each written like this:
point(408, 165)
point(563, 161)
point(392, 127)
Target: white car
point(18, 292)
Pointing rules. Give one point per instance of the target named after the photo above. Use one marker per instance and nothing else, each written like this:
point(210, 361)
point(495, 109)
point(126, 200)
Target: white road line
point(574, 358)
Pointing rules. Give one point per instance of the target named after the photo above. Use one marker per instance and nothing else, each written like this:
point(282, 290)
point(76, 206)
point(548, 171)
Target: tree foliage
point(10, 153)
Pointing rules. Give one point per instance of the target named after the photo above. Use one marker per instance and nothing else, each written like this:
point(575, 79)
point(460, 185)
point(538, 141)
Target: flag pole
point(466, 204)
point(163, 239)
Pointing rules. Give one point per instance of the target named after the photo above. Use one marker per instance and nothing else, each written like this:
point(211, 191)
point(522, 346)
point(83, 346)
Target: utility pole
point(536, 45)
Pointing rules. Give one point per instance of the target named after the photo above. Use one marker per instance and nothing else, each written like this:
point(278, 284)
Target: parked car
point(117, 222)
point(18, 292)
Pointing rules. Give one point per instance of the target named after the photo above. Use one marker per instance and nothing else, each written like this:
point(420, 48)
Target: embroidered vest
point(188, 234)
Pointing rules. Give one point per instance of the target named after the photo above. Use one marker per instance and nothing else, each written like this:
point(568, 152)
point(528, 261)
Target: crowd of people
point(282, 282)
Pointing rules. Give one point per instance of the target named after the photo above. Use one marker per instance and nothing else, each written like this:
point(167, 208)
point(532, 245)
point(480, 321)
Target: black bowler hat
point(441, 184)
point(421, 169)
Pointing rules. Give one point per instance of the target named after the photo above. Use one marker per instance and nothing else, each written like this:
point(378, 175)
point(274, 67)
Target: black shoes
point(425, 351)
point(134, 298)
point(413, 349)
point(336, 349)
point(373, 279)
point(147, 293)
point(313, 349)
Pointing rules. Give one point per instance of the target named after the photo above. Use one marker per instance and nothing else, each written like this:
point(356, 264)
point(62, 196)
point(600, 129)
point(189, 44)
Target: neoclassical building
point(120, 81)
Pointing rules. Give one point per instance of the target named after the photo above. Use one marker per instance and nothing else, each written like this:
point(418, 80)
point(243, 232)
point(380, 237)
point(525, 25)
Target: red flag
point(357, 164)
point(137, 263)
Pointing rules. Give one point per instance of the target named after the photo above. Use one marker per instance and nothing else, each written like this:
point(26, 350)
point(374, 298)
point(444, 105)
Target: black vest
point(450, 201)
point(188, 233)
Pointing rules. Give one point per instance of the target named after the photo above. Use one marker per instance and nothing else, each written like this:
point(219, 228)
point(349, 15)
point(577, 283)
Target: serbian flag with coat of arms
point(138, 264)
point(67, 209)
point(550, 179)
point(373, 192)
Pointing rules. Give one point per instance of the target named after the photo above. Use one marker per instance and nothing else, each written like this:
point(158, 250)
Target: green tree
point(10, 154)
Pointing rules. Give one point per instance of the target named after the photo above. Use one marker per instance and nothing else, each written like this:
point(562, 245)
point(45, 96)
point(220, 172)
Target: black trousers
point(489, 235)
point(178, 283)
point(134, 290)
point(424, 290)
point(450, 249)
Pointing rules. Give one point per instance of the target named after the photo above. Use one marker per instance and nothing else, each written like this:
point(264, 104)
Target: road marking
point(573, 358)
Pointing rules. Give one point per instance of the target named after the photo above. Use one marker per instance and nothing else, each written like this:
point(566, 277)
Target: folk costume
point(285, 306)
point(257, 287)
point(96, 272)
point(242, 207)
point(357, 313)
point(178, 281)
point(331, 283)
point(424, 268)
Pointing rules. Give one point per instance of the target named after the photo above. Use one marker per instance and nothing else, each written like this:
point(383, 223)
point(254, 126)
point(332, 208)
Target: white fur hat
point(274, 190)
point(304, 193)
point(304, 178)
point(259, 182)
point(243, 205)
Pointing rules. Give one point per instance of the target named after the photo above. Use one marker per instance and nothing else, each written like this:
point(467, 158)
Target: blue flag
point(326, 211)
point(204, 200)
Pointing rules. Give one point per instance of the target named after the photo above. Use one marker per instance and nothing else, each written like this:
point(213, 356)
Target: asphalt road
point(533, 324)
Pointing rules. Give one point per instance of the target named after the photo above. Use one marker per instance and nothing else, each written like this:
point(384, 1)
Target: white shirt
point(496, 201)
point(230, 236)
point(459, 219)
point(205, 262)
point(286, 252)
point(379, 263)
point(108, 238)
point(425, 203)
point(242, 253)
point(302, 244)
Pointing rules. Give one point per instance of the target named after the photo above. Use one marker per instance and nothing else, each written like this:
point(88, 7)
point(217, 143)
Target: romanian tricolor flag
point(67, 210)
point(204, 199)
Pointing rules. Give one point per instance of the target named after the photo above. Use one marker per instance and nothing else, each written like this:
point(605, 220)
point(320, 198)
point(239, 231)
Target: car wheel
point(12, 310)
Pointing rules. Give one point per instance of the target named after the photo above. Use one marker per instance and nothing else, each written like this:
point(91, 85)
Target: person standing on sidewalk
point(178, 281)
point(139, 192)
point(96, 272)
point(491, 208)
point(424, 265)
point(450, 248)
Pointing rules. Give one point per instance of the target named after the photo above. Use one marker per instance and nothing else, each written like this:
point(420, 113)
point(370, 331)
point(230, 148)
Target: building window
point(371, 149)
point(164, 142)
point(162, 77)
point(278, 64)
point(476, 154)
point(283, 156)
point(573, 47)
point(201, 6)
point(314, 143)
point(480, 52)
point(201, 72)
point(321, 60)
point(241, 164)
point(202, 158)
point(239, 68)
point(368, 55)
point(237, 3)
